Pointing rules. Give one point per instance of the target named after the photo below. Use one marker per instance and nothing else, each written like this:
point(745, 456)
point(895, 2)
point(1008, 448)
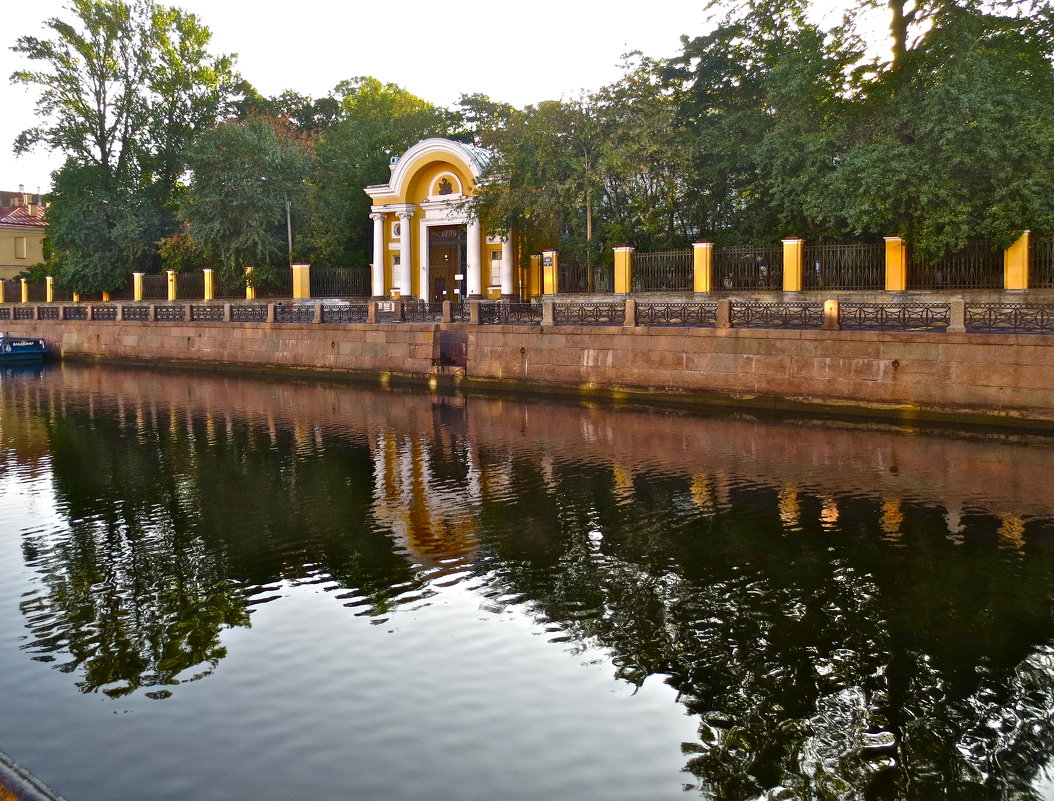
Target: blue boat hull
point(22, 350)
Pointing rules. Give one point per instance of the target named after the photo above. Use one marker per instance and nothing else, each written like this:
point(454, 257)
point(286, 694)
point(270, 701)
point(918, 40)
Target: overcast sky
point(517, 52)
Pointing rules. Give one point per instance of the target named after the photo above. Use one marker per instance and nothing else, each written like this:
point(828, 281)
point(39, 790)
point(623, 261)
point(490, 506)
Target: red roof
point(20, 216)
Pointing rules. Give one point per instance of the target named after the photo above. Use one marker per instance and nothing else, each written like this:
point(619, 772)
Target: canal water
point(223, 587)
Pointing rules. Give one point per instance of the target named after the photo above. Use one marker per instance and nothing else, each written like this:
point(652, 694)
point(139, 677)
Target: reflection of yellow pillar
point(892, 516)
point(792, 264)
point(550, 272)
point(49, 289)
point(623, 482)
point(137, 286)
point(210, 284)
point(829, 512)
point(790, 507)
point(703, 266)
point(703, 493)
point(172, 292)
point(896, 264)
point(250, 290)
point(302, 279)
point(1012, 532)
point(624, 269)
point(1015, 264)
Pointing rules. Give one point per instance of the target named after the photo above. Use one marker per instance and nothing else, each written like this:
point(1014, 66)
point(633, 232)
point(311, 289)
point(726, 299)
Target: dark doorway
point(447, 257)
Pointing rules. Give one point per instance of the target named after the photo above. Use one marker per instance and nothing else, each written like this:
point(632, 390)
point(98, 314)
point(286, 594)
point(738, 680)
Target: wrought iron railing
point(75, 312)
point(589, 313)
point(1019, 318)
point(5, 312)
point(844, 266)
point(777, 315)
point(510, 313)
point(48, 312)
point(422, 312)
point(679, 314)
point(105, 312)
point(345, 312)
point(155, 286)
point(22, 313)
point(460, 312)
point(190, 285)
point(978, 265)
point(207, 313)
point(170, 313)
point(249, 313)
point(894, 316)
point(1041, 261)
point(38, 292)
point(340, 282)
point(294, 312)
point(576, 278)
point(668, 271)
point(748, 268)
point(138, 313)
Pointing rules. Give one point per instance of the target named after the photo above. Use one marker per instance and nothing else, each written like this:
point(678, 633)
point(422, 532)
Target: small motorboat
point(21, 350)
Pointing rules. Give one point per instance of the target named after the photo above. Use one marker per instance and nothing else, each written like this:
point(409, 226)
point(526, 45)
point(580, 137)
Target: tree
point(243, 173)
point(124, 89)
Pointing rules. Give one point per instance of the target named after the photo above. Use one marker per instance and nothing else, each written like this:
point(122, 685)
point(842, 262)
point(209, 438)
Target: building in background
point(22, 229)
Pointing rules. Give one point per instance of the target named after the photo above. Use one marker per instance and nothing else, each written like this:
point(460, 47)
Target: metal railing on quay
point(1017, 318)
point(699, 315)
point(136, 313)
point(345, 312)
point(460, 312)
point(589, 313)
point(207, 312)
point(894, 316)
point(510, 313)
point(422, 312)
point(294, 312)
point(667, 271)
point(75, 312)
point(776, 315)
point(170, 313)
point(249, 313)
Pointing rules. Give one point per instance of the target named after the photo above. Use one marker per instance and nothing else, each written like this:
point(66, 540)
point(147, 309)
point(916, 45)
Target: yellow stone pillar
point(302, 278)
point(550, 272)
point(49, 289)
point(624, 269)
point(1015, 264)
point(210, 284)
point(137, 286)
point(896, 264)
point(703, 266)
point(106, 296)
point(25, 291)
point(792, 263)
point(534, 276)
point(250, 290)
point(76, 297)
point(172, 291)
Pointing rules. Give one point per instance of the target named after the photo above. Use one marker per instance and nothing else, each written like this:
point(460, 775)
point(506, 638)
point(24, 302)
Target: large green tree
point(123, 90)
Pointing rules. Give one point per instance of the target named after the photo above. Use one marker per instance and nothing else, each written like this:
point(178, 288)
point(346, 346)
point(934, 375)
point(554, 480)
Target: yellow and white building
point(22, 229)
point(426, 244)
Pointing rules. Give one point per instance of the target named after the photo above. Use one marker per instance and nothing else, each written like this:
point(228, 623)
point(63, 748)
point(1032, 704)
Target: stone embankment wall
point(926, 374)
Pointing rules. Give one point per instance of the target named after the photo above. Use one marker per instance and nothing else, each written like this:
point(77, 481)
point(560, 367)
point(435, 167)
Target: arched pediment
point(465, 159)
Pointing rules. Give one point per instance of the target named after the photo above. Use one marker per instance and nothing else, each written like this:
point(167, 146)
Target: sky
point(520, 53)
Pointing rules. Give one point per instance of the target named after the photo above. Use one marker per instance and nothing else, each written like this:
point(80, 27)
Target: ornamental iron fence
point(894, 316)
point(1018, 318)
point(777, 315)
point(294, 312)
point(576, 278)
point(978, 265)
point(108, 313)
point(510, 313)
point(1041, 261)
point(667, 271)
point(138, 313)
point(345, 312)
point(207, 313)
point(249, 313)
point(48, 312)
point(170, 313)
point(75, 312)
point(697, 315)
point(844, 266)
point(340, 282)
point(589, 313)
point(748, 268)
point(422, 312)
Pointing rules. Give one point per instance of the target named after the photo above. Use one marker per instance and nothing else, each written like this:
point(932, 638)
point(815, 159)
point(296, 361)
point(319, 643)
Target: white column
point(475, 276)
point(406, 271)
point(507, 271)
point(377, 268)
point(425, 285)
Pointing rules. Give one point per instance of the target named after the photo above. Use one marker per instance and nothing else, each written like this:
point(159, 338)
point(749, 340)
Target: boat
point(21, 350)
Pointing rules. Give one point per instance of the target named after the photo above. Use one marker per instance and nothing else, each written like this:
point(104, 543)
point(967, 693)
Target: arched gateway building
point(426, 245)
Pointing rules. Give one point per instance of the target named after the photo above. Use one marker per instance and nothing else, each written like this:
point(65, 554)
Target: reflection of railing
point(1011, 317)
point(777, 315)
point(684, 314)
point(848, 266)
point(344, 312)
point(668, 271)
point(895, 316)
point(589, 313)
point(748, 268)
point(510, 313)
point(978, 265)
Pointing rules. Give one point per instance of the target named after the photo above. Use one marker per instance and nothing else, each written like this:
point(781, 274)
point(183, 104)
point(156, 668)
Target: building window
point(20, 247)
point(495, 267)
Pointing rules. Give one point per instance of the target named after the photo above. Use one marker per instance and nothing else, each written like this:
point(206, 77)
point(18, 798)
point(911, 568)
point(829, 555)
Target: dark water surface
point(216, 587)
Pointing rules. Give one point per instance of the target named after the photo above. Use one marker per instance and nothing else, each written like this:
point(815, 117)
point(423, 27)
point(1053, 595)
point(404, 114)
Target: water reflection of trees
point(833, 645)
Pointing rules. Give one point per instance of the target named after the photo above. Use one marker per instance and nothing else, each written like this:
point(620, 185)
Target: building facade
point(22, 229)
point(426, 244)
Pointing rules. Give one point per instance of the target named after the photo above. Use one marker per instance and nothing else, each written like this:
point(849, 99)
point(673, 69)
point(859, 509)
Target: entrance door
point(447, 257)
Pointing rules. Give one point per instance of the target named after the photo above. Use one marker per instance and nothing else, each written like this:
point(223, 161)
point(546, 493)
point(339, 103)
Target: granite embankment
point(993, 377)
